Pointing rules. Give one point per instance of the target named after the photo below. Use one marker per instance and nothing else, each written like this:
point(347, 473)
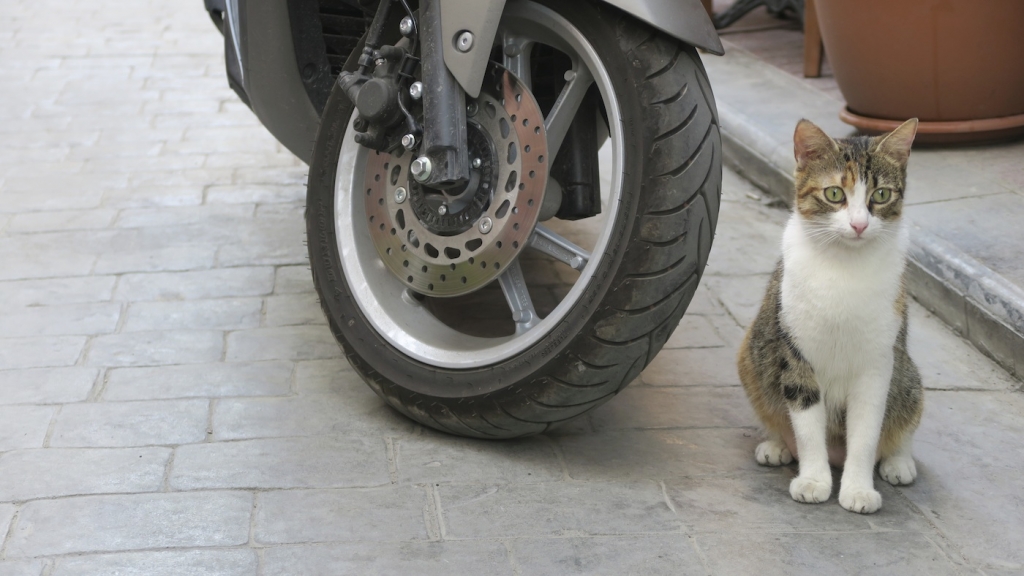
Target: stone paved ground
point(171, 401)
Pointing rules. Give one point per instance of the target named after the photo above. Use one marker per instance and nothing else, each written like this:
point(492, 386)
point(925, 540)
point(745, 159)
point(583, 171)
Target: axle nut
point(421, 168)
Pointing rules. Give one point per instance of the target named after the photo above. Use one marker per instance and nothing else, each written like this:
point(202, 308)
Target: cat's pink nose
point(859, 227)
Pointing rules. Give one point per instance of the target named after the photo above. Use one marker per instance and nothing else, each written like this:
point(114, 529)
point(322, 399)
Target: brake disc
point(466, 244)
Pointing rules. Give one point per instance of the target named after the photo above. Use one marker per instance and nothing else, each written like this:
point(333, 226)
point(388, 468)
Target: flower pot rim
point(942, 132)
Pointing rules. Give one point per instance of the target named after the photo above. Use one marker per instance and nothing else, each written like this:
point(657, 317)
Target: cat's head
point(849, 191)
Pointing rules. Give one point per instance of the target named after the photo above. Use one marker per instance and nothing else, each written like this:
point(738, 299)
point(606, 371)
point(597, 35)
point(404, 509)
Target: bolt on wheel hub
point(443, 253)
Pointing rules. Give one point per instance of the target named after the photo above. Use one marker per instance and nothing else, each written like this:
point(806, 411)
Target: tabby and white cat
point(825, 363)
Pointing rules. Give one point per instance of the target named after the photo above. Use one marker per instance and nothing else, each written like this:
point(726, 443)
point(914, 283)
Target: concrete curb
point(981, 305)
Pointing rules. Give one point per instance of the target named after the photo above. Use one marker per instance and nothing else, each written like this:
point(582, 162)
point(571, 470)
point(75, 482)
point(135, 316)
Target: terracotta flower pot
point(957, 65)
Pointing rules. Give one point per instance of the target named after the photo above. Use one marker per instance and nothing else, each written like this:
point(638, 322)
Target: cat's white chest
point(839, 305)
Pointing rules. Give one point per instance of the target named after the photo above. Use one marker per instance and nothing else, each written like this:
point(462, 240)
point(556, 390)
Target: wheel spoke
point(516, 55)
point(545, 240)
point(558, 120)
point(513, 284)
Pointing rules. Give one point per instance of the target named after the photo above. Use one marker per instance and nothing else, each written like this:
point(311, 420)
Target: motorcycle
point(510, 203)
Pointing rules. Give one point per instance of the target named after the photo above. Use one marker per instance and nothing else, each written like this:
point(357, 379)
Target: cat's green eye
point(881, 196)
point(835, 194)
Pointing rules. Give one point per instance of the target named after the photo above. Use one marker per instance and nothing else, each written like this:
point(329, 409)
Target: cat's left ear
point(896, 144)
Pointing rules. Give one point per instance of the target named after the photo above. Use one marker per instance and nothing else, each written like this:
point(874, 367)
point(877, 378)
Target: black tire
point(645, 280)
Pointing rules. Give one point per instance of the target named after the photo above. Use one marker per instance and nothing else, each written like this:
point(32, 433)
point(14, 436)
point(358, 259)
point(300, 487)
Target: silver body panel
point(480, 17)
point(262, 37)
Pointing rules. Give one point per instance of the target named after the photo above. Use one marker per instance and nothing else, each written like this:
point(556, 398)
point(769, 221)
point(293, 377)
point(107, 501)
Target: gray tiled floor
point(171, 401)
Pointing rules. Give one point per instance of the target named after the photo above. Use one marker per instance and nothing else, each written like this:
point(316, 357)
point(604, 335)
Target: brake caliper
point(383, 117)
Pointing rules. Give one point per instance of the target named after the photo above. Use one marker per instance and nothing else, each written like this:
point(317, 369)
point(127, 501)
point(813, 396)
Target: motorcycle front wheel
point(585, 304)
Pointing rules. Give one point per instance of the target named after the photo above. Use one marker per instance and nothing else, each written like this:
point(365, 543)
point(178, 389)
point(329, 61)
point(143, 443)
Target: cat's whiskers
point(821, 232)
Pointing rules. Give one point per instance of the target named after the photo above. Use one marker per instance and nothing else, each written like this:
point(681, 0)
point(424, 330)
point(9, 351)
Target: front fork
point(444, 156)
point(440, 143)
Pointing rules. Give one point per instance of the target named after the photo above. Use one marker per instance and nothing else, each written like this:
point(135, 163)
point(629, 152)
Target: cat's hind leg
point(899, 468)
point(902, 416)
point(773, 451)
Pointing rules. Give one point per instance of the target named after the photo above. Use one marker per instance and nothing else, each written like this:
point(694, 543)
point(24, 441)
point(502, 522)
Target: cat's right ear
point(810, 143)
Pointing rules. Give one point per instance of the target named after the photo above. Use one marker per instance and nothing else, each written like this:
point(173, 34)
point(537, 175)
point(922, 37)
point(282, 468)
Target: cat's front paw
point(772, 453)
point(860, 500)
point(810, 490)
point(898, 470)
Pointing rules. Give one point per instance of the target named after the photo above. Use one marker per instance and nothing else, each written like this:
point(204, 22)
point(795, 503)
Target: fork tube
point(444, 106)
